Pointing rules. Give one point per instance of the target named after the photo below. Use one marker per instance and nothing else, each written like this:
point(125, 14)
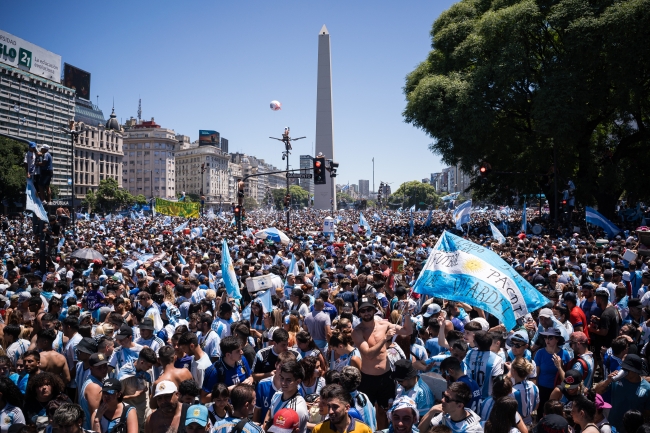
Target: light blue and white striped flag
point(228, 272)
point(428, 221)
point(496, 234)
point(523, 219)
point(462, 271)
point(412, 208)
point(180, 227)
point(34, 203)
point(181, 259)
point(462, 214)
point(594, 217)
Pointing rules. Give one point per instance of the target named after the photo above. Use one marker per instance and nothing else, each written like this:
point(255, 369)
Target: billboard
point(31, 58)
point(209, 138)
point(78, 80)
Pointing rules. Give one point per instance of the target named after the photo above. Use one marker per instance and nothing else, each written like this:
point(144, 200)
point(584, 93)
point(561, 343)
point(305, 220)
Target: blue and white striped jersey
point(527, 395)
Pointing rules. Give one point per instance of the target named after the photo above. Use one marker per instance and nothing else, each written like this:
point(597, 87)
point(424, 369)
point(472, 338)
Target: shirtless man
point(51, 361)
point(48, 321)
point(373, 338)
point(167, 357)
point(168, 416)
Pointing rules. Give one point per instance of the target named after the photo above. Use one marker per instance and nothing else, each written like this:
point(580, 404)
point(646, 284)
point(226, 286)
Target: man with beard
point(373, 339)
point(171, 413)
point(338, 405)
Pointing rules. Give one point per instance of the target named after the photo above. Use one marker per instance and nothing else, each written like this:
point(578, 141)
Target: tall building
point(324, 195)
point(98, 149)
point(224, 145)
point(364, 188)
point(306, 164)
point(148, 166)
point(35, 108)
point(213, 183)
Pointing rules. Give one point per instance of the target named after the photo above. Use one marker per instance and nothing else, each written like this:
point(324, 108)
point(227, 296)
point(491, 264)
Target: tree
point(522, 84)
point(13, 177)
point(343, 199)
point(89, 201)
point(250, 203)
point(299, 197)
point(140, 199)
point(422, 195)
point(110, 196)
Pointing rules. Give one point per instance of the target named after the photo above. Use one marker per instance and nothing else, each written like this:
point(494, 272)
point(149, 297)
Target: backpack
point(120, 427)
point(567, 367)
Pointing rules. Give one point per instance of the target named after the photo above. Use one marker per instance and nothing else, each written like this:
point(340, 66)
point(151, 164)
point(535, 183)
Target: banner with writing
point(175, 208)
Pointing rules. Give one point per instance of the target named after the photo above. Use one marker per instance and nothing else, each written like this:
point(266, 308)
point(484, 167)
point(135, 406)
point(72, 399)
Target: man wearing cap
point(409, 384)
point(631, 392)
point(30, 161)
point(403, 416)
point(171, 415)
point(196, 419)
point(81, 372)
point(90, 394)
point(547, 320)
point(583, 359)
point(147, 336)
point(455, 412)
point(125, 356)
point(242, 399)
point(373, 339)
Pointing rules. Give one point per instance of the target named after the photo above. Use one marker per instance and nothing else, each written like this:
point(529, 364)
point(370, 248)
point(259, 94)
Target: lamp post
point(74, 134)
point(286, 139)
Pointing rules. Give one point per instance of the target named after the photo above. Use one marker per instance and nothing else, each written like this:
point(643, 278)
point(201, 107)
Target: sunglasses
point(366, 310)
point(551, 337)
point(518, 345)
point(448, 399)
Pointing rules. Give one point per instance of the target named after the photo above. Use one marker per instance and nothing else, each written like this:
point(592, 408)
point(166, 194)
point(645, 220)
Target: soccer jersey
point(123, 361)
point(211, 344)
point(589, 374)
point(228, 424)
point(155, 343)
point(421, 394)
point(266, 358)
point(296, 403)
point(365, 408)
point(470, 424)
point(16, 349)
point(482, 366)
point(10, 415)
point(527, 395)
point(221, 327)
point(220, 372)
point(476, 392)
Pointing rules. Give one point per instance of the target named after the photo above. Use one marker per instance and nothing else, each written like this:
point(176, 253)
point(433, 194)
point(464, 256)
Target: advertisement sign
point(31, 58)
point(176, 208)
point(78, 80)
point(209, 138)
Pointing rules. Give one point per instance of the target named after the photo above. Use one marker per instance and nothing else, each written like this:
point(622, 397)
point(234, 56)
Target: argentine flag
point(196, 232)
point(428, 221)
point(594, 217)
point(181, 259)
point(34, 203)
point(412, 209)
point(462, 213)
point(228, 272)
point(317, 273)
point(523, 219)
point(180, 227)
point(292, 265)
point(462, 271)
point(167, 221)
point(411, 225)
point(376, 217)
point(496, 234)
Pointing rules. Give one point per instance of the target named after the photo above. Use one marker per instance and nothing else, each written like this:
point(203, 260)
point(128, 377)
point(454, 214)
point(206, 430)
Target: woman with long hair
point(272, 322)
point(10, 402)
point(307, 347)
point(220, 407)
point(503, 418)
point(525, 392)
point(313, 381)
point(342, 351)
point(112, 410)
point(256, 319)
point(292, 326)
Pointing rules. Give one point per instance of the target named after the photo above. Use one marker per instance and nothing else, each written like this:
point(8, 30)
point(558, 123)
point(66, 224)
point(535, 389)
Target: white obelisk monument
point(324, 195)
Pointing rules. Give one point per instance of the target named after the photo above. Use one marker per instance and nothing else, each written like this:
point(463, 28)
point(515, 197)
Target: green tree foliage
point(250, 203)
point(343, 199)
point(12, 172)
point(140, 199)
point(299, 196)
point(514, 82)
point(422, 195)
point(90, 201)
point(110, 196)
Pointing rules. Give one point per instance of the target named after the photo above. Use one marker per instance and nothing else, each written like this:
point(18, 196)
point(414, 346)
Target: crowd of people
point(148, 338)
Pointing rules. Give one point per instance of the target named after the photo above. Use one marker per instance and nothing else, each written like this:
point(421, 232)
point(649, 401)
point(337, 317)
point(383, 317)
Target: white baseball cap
point(165, 387)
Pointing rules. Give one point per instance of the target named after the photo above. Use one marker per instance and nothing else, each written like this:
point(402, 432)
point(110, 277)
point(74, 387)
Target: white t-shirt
point(198, 368)
point(296, 403)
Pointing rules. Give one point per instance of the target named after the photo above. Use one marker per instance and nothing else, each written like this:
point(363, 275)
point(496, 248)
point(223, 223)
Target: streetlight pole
point(373, 174)
point(286, 139)
point(74, 134)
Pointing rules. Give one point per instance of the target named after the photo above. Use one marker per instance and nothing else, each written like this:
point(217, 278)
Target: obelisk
point(324, 195)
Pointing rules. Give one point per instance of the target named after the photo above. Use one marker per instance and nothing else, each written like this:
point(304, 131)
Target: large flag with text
point(177, 208)
point(460, 270)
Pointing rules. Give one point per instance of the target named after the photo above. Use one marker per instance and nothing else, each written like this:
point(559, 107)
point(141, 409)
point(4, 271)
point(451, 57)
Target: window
point(147, 145)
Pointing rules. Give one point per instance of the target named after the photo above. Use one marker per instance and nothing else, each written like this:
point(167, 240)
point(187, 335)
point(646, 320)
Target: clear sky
point(218, 64)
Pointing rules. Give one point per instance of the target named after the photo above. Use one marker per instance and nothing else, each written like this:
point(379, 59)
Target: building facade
point(35, 108)
point(148, 166)
point(364, 188)
point(213, 183)
point(306, 165)
point(98, 149)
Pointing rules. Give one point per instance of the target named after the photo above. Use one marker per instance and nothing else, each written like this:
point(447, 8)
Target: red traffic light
point(237, 210)
point(317, 163)
point(483, 169)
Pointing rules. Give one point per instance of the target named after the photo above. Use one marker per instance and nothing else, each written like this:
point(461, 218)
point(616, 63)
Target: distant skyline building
point(324, 195)
point(364, 188)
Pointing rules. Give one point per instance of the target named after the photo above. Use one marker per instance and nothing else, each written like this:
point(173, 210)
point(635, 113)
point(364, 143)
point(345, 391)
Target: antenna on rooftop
point(139, 109)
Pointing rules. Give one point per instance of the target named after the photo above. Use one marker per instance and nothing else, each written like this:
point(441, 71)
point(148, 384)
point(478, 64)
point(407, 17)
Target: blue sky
point(218, 64)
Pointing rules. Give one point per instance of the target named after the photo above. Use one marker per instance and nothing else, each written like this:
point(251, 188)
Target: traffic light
point(333, 166)
point(238, 212)
point(484, 170)
point(319, 171)
point(287, 200)
point(381, 187)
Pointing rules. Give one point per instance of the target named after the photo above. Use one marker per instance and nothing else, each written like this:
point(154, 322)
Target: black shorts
point(46, 178)
point(379, 389)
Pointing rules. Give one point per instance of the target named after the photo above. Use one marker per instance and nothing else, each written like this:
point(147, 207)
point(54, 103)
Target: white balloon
point(276, 105)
